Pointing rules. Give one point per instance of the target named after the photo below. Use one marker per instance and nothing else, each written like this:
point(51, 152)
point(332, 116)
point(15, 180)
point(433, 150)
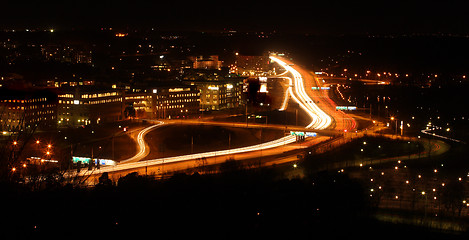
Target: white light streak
point(320, 120)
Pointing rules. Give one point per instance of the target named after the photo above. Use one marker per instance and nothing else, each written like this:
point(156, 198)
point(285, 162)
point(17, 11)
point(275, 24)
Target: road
point(303, 83)
point(320, 119)
point(300, 91)
point(142, 145)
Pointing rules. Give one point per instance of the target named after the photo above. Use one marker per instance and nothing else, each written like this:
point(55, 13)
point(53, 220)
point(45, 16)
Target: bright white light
point(320, 120)
point(263, 88)
point(133, 165)
point(141, 143)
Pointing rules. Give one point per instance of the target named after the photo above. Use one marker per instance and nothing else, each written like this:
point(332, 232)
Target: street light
point(392, 119)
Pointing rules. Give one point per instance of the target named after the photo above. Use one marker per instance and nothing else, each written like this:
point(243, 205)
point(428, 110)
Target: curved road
point(319, 120)
point(142, 145)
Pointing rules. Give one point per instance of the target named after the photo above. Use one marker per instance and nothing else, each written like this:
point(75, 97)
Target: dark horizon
point(339, 17)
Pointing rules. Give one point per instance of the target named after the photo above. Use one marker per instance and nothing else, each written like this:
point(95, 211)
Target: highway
point(316, 99)
point(320, 121)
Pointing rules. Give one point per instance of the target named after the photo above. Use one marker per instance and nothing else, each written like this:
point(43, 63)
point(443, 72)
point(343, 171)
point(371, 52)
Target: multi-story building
point(83, 105)
point(21, 109)
point(176, 101)
point(173, 101)
point(210, 62)
point(220, 94)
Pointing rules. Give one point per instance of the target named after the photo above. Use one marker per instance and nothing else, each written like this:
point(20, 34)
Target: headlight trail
point(133, 165)
point(288, 92)
point(143, 151)
point(320, 120)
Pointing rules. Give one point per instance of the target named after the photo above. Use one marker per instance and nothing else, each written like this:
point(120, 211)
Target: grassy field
point(176, 140)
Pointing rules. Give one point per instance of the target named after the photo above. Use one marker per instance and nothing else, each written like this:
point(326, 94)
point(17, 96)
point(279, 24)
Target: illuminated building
point(201, 62)
point(220, 94)
point(21, 109)
point(85, 105)
point(174, 101)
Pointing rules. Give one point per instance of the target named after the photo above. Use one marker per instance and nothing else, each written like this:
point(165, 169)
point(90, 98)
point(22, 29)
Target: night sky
point(316, 17)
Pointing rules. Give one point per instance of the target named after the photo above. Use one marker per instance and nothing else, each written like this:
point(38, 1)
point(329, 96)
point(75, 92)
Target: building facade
point(203, 62)
point(21, 109)
point(164, 102)
point(86, 105)
point(220, 94)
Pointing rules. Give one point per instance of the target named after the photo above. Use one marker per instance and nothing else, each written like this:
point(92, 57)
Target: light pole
point(392, 119)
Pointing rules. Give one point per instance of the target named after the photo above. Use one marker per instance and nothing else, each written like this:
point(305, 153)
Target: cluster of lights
point(423, 192)
point(47, 153)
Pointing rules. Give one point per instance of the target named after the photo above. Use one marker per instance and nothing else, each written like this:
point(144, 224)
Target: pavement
point(326, 121)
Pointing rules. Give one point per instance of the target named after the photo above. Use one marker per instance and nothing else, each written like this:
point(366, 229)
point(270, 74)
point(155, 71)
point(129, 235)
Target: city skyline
point(234, 120)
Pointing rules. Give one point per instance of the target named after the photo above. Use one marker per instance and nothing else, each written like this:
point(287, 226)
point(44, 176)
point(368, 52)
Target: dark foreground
point(235, 204)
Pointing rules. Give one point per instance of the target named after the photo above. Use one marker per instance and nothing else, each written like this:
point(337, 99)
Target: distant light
point(51, 30)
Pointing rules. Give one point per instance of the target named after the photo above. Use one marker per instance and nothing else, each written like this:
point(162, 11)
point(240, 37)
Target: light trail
point(320, 120)
point(288, 92)
point(428, 132)
point(134, 165)
point(143, 152)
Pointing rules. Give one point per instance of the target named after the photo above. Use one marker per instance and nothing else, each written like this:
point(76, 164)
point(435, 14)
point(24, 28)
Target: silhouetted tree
point(453, 196)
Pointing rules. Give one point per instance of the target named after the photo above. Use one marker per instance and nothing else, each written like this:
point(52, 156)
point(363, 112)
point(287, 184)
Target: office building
point(83, 105)
point(20, 109)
